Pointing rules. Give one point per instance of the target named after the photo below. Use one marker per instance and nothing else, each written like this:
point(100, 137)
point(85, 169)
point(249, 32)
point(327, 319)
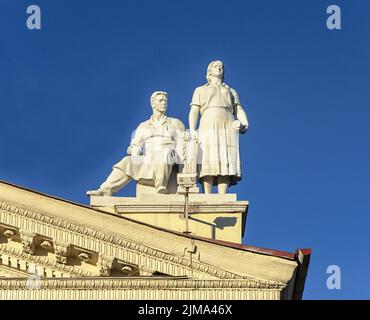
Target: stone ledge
point(215, 216)
point(96, 201)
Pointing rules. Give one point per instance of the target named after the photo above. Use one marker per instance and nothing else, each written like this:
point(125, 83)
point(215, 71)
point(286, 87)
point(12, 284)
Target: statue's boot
point(161, 189)
point(99, 192)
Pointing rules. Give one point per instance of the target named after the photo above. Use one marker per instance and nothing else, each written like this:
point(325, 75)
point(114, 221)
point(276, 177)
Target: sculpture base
point(214, 216)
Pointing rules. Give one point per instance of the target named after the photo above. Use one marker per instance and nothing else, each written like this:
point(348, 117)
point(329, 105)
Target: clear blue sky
point(71, 93)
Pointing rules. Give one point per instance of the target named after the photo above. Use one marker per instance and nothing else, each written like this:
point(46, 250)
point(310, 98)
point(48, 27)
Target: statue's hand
point(243, 129)
point(237, 125)
point(193, 134)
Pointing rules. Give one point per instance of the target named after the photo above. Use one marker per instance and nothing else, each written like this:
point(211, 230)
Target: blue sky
point(71, 94)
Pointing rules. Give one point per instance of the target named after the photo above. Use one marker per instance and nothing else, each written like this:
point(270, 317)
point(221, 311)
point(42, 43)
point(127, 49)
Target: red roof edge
point(265, 251)
point(306, 252)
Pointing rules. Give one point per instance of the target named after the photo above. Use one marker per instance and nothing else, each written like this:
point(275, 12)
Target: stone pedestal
point(214, 216)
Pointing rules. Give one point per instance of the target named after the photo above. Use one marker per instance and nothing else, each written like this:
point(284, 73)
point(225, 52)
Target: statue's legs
point(162, 172)
point(115, 181)
point(207, 183)
point(223, 184)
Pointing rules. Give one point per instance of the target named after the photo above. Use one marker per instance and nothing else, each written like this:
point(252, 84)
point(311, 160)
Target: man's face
point(160, 103)
point(217, 69)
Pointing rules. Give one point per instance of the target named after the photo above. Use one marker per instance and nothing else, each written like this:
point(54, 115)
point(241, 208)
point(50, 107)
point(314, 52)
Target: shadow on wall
point(219, 223)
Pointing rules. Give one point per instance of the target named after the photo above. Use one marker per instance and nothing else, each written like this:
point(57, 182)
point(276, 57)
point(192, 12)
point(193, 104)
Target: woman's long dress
point(219, 141)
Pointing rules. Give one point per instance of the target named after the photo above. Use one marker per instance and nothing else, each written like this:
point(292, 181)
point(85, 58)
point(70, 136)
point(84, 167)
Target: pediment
point(67, 240)
point(87, 252)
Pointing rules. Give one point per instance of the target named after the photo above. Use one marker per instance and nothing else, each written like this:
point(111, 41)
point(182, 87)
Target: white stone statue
point(152, 153)
point(222, 119)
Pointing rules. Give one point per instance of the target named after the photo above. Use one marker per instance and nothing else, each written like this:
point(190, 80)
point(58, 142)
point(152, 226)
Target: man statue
point(152, 153)
point(222, 119)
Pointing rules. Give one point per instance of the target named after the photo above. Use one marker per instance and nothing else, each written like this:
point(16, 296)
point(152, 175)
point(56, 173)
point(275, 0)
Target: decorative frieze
point(140, 294)
point(28, 241)
point(24, 259)
point(150, 288)
point(61, 252)
point(85, 257)
point(143, 271)
point(47, 245)
point(10, 234)
point(137, 283)
point(106, 264)
point(5, 271)
point(129, 270)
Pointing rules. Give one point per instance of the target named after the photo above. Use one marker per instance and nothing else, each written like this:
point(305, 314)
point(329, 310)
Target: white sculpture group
point(211, 152)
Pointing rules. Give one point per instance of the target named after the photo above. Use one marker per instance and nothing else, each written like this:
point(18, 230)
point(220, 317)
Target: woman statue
point(222, 119)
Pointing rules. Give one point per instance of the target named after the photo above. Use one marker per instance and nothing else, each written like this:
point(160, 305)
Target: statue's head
point(215, 69)
point(158, 101)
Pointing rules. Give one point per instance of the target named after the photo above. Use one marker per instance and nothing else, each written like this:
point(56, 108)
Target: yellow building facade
point(135, 248)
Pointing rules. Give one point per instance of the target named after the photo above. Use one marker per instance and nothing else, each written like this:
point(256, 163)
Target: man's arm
point(137, 142)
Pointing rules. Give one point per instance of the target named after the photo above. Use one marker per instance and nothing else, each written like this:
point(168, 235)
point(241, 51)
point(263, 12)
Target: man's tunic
point(154, 149)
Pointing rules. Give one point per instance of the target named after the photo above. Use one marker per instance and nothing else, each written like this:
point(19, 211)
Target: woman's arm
point(193, 117)
point(241, 116)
